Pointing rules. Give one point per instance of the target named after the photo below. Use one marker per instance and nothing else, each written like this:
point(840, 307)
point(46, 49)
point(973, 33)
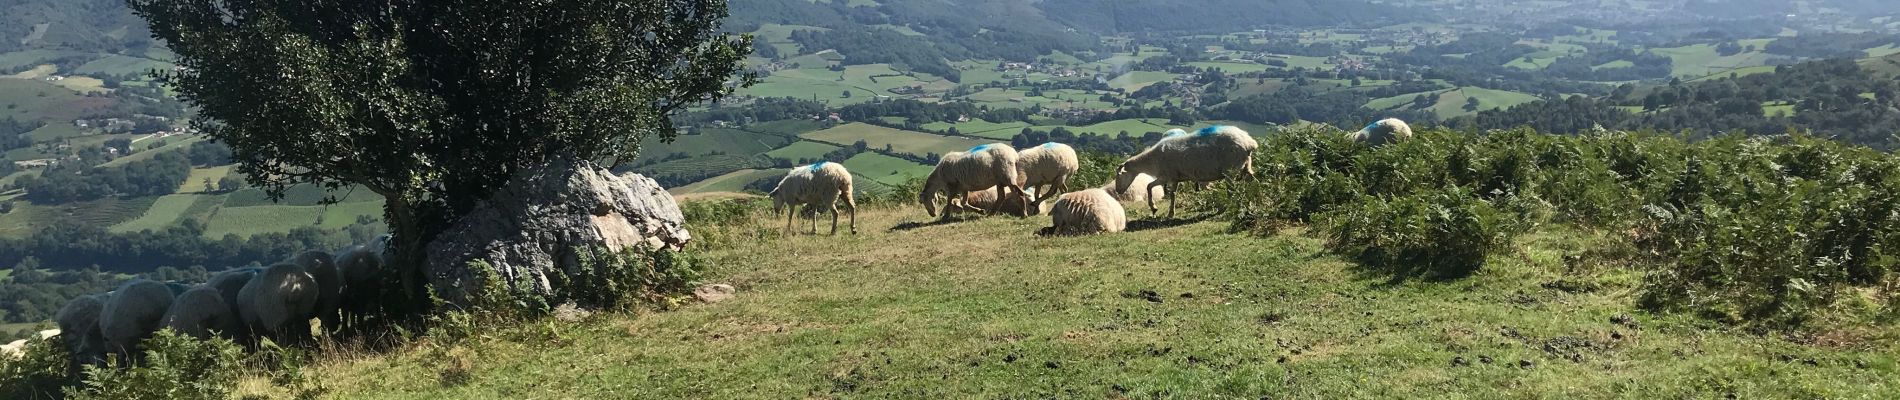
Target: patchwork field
point(886, 169)
point(731, 182)
point(800, 150)
point(901, 141)
point(1451, 102)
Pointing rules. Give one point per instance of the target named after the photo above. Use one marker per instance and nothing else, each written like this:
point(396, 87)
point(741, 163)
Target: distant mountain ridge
point(82, 25)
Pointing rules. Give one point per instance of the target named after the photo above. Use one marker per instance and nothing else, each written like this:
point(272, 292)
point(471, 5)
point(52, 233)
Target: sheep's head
point(1124, 178)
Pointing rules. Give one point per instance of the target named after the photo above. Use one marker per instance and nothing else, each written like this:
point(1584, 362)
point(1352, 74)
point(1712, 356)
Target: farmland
point(901, 141)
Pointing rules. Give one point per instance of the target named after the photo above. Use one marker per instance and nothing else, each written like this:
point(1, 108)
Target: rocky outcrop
point(530, 229)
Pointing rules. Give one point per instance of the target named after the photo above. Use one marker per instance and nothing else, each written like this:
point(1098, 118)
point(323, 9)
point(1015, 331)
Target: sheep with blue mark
point(818, 187)
point(983, 167)
point(1207, 155)
point(1086, 212)
point(1382, 132)
point(132, 313)
point(1050, 164)
point(1135, 190)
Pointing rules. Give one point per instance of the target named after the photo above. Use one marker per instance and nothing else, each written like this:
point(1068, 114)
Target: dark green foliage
point(1438, 233)
point(174, 367)
point(160, 175)
point(39, 373)
point(1774, 233)
point(1766, 232)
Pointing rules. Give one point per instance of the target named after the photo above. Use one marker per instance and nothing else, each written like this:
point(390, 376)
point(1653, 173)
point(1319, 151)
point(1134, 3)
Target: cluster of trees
point(1830, 45)
point(1835, 98)
point(1123, 143)
point(764, 109)
point(78, 181)
point(75, 246)
point(1219, 16)
point(10, 131)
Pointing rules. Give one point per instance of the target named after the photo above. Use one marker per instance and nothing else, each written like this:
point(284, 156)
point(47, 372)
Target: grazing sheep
point(819, 185)
point(984, 199)
point(229, 283)
point(1050, 164)
point(1204, 156)
point(1086, 212)
point(361, 267)
point(132, 314)
point(1382, 132)
point(199, 312)
point(958, 173)
point(79, 330)
point(1134, 191)
point(278, 303)
point(330, 286)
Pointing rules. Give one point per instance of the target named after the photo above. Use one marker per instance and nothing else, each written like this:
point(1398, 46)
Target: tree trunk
point(410, 231)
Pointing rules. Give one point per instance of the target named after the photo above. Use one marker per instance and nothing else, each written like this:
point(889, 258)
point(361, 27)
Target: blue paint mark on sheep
point(1374, 124)
point(979, 148)
point(1049, 145)
point(815, 166)
point(1211, 130)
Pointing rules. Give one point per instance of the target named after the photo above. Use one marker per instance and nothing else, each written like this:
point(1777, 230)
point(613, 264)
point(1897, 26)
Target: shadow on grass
point(1397, 269)
point(1152, 223)
point(934, 222)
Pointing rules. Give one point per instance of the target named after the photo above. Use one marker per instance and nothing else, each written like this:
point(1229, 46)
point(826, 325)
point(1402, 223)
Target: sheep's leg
point(1150, 192)
point(790, 212)
point(1024, 200)
point(834, 219)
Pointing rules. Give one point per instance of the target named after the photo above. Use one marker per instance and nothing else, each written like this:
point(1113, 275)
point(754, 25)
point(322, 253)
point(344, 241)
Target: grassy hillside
point(1168, 310)
point(902, 141)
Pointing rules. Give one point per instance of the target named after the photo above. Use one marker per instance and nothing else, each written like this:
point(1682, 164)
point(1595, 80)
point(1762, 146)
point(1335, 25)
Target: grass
point(715, 140)
point(1135, 80)
point(979, 127)
point(1134, 127)
point(39, 100)
point(1169, 310)
point(885, 169)
point(174, 143)
point(114, 64)
point(902, 141)
point(247, 221)
point(1451, 102)
point(801, 150)
point(28, 217)
point(1307, 62)
point(1702, 60)
point(166, 212)
point(728, 183)
point(196, 182)
point(1230, 67)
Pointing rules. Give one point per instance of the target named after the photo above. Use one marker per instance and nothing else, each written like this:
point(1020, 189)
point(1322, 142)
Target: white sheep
point(132, 313)
point(1206, 155)
point(1086, 212)
point(1382, 132)
point(985, 199)
point(1050, 164)
point(199, 312)
point(79, 329)
point(330, 286)
point(818, 187)
point(278, 303)
point(1134, 191)
point(958, 173)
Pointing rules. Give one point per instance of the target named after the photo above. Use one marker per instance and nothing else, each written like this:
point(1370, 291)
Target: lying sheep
point(819, 185)
point(985, 199)
point(1204, 156)
point(79, 329)
point(132, 314)
point(199, 312)
point(1086, 212)
point(278, 303)
point(330, 286)
point(1382, 132)
point(1050, 164)
point(958, 173)
point(1135, 190)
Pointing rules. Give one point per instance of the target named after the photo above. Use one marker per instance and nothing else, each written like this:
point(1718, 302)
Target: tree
point(434, 104)
point(1472, 104)
point(846, 94)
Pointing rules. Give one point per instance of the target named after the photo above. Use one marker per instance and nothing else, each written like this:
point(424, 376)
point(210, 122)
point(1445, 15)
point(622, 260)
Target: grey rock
point(530, 228)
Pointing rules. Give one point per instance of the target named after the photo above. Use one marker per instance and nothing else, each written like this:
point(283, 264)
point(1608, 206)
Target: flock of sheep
point(278, 302)
point(996, 177)
point(241, 304)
